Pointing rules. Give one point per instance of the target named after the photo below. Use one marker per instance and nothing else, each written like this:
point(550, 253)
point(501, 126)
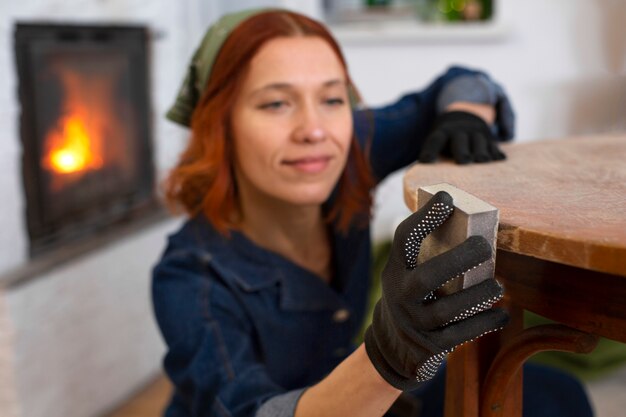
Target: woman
point(260, 294)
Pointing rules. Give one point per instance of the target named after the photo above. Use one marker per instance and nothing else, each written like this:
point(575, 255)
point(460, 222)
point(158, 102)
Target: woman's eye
point(335, 101)
point(273, 105)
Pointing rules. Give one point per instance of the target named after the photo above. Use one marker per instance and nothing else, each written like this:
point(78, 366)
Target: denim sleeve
point(395, 133)
point(211, 355)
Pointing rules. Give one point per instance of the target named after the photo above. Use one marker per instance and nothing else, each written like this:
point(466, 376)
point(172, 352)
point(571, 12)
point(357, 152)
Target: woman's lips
point(309, 165)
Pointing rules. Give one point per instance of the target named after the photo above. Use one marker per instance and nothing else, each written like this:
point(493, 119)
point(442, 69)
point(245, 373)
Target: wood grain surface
point(561, 200)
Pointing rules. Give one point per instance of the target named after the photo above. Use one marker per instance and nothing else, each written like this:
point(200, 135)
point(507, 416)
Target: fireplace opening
point(85, 129)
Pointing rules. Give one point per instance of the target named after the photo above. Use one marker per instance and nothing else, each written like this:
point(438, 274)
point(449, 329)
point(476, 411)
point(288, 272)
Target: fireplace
point(85, 129)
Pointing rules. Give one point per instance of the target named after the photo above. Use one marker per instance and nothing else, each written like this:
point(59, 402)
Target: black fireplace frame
point(121, 210)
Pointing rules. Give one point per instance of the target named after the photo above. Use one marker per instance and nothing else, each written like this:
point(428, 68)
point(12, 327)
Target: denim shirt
point(247, 330)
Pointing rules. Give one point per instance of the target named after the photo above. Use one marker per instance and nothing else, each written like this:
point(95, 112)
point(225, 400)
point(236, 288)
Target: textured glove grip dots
point(412, 329)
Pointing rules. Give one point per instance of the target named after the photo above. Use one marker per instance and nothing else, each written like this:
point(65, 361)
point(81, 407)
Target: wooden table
point(561, 253)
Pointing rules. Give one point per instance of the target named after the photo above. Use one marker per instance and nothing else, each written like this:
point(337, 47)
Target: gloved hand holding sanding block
point(471, 216)
point(415, 322)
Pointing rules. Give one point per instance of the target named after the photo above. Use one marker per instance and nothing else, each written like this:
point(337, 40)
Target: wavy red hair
point(202, 181)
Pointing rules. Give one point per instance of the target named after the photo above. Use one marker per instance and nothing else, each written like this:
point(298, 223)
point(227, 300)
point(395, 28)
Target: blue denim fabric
point(243, 324)
point(245, 327)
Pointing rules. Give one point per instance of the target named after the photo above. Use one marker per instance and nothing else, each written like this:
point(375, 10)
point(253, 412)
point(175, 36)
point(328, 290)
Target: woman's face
point(292, 122)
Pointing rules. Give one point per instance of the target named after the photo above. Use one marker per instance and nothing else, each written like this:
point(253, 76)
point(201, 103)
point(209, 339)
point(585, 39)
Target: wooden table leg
point(462, 382)
point(467, 368)
point(508, 363)
point(485, 378)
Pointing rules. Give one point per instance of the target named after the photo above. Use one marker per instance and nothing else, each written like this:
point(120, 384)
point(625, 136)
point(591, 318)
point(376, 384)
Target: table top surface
point(561, 200)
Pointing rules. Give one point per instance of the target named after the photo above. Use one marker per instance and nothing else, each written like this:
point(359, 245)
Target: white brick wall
point(8, 388)
point(79, 339)
point(169, 57)
point(85, 336)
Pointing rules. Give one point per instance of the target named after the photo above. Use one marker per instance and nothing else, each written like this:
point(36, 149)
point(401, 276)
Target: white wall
point(80, 338)
point(84, 336)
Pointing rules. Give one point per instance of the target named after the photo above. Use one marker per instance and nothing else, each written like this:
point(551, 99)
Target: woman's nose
point(309, 127)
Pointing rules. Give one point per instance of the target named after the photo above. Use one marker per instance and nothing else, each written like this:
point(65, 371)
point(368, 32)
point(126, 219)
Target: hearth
point(85, 129)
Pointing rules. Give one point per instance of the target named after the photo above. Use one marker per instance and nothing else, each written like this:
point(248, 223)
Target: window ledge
point(417, 32)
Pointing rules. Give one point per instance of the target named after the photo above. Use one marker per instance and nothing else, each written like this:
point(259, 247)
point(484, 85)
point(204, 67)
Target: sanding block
point(471, 216)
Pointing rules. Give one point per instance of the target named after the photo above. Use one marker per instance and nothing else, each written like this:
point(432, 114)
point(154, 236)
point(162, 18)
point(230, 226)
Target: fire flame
point(71, 147)
point(87, 136)
point(94, 127)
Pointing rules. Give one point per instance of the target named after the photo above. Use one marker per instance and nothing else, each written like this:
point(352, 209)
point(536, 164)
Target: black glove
point(412, 329)
point(462, 135)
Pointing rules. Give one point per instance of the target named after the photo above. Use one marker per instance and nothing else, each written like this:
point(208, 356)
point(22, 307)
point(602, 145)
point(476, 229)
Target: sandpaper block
point(471, 216)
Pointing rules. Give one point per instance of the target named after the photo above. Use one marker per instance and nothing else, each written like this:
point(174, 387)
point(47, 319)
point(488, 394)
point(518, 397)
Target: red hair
point(202, 181)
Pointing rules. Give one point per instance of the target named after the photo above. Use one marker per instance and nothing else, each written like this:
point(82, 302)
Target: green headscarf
point(201, 64)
